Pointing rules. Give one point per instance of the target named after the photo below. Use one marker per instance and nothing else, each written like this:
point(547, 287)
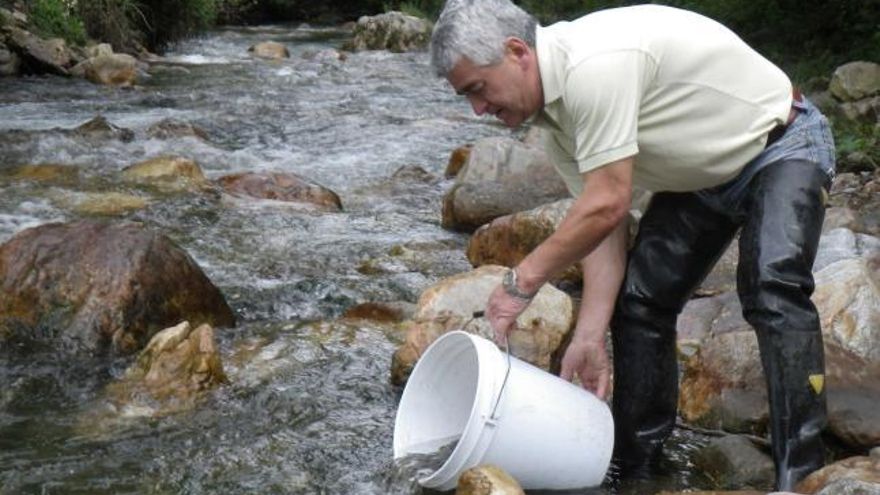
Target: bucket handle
point(492, 416)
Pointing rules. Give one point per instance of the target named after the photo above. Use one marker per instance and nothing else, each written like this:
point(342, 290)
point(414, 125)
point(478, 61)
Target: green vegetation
point(52, 18)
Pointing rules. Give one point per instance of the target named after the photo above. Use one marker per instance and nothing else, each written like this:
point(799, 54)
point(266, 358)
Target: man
point(676, 103)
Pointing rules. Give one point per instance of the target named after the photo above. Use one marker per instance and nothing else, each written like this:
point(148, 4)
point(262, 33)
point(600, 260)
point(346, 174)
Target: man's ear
point(516, 47)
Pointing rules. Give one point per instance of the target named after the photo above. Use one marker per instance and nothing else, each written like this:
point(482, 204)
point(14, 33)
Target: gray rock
point(734, 462)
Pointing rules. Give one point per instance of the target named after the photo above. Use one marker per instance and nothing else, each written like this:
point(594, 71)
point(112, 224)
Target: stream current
point(309, 408)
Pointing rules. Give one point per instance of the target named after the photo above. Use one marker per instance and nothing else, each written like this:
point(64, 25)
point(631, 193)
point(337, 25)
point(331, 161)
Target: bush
point(52, 19)
point(111, 21)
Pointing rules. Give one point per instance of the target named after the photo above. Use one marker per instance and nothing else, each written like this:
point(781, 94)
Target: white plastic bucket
point(545, 432)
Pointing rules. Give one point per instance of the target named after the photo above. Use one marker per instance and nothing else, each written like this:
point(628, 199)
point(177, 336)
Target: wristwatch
point(509, 284)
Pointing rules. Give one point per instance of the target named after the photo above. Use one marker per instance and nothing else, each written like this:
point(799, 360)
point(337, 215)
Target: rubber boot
point(777, 249)
point(679, 241)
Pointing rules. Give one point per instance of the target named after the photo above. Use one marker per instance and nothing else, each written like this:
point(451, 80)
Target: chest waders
point(680, 239)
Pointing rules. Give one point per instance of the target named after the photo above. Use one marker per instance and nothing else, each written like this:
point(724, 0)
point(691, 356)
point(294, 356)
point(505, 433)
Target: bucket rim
point(479, 429)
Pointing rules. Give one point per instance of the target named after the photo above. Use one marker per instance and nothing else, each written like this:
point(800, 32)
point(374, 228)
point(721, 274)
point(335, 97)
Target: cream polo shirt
point(680, 92)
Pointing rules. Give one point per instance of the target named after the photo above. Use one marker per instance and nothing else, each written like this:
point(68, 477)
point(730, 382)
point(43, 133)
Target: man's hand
point(502, 311)
point(588, 360)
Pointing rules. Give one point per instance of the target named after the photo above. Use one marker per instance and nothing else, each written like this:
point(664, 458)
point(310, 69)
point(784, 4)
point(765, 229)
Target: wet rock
point(853, 414)
point(413, 173)
point(169, 173)
point(855, 80)
point(44, 172)
point(325, 55)
point(172, 373)
point(114, 69)
point(388, 312)
point(99, 287)
point(487, 479)
point(108, 204)
point(39, 56)
point(851, 471)
point(734, 462)
point(10, 62)
point(508, 239)
point(393, 31)
point(450, 305)
point(501, 176)
point(270, 50)
point(280, 187)
point(99, 128)
point(172, 128)
point(457, 160)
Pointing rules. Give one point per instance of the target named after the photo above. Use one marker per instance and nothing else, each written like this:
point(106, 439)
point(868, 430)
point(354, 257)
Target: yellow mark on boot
point(818, 383)
point(824, 197)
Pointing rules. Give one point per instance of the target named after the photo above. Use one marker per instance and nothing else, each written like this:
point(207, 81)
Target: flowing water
point(309, 408)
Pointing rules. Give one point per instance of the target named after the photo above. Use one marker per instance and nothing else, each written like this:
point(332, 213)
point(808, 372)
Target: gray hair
point(477, 29)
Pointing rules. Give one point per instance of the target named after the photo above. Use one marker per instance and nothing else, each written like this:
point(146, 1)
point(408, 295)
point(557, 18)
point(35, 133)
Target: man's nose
point(479, 105)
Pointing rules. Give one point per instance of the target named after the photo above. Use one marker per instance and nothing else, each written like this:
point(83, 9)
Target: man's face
point(504, 90)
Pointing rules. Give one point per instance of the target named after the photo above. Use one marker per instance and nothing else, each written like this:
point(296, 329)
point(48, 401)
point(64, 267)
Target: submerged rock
point(95, 286)
point(269, 49)
point(176, 367)
point(171, 173)
point(280, 187)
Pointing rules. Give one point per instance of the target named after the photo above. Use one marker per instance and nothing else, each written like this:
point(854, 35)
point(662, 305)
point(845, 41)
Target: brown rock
point(115, 69)
point(39, 56)
point(487, 479)
point(270, 49)
point(457, 159)
point(860, 468)
point(450, 304)
point(280, 187)
point(172, 173)
point(175, 368)
point(101, 286)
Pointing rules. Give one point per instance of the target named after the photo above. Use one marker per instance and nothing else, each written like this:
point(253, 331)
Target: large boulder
point(113, 69)
point(280, 187)
point(94, 286)
point(501, 176)
point(39, 56)
point(393, 31)
point(451, 304)
point(507, 240)
point(855, 80)
point(723, 384)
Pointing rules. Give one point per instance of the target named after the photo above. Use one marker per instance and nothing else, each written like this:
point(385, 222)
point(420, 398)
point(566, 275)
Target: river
point(313, 412)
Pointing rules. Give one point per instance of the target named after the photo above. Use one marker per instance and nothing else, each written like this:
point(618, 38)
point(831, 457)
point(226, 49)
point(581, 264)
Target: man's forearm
point(595, 214)
point(603, 272)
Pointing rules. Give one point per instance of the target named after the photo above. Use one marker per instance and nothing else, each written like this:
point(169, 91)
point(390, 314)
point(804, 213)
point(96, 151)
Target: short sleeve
point(603, 95)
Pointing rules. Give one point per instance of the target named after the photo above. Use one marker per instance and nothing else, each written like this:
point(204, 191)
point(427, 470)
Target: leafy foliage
point(52, 18)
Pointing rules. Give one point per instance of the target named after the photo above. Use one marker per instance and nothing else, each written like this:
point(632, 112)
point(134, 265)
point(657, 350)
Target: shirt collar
point(550, 81)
